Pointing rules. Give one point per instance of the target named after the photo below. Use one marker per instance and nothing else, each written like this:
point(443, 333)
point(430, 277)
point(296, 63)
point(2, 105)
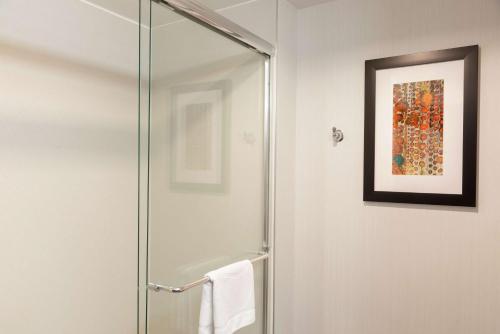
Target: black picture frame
point(470, 55)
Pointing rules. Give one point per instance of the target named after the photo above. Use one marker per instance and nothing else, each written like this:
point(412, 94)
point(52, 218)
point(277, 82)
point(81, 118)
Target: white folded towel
point(228, 300)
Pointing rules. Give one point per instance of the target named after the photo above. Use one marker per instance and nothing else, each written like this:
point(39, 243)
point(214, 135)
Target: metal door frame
point(221, 25)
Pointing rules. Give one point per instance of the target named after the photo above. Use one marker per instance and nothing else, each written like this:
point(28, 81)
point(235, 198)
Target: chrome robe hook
point(337, 135)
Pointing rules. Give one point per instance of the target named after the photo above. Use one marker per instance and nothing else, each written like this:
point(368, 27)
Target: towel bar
point(158, 287)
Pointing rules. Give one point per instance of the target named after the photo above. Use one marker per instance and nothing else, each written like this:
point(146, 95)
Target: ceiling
point(307, 3)
point(129, 8)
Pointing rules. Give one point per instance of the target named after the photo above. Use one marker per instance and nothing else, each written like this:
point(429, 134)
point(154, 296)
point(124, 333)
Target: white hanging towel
point(228, 300)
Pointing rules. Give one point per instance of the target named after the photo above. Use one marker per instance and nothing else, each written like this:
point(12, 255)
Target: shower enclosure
point(205, 161)
point(125, 123)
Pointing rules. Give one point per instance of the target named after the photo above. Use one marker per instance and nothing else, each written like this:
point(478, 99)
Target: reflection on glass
point(207, 164)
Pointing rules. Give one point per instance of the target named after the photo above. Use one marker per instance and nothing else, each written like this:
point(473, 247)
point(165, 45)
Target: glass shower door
point(207, 165)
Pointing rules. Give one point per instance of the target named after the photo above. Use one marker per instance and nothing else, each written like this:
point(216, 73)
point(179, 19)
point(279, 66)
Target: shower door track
point(212, 20)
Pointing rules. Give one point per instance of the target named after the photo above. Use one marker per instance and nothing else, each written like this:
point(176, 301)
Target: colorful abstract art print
point(420, 136)
point(417, 134)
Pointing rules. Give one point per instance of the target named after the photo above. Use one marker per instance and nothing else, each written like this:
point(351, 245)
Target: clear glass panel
point(207, 173)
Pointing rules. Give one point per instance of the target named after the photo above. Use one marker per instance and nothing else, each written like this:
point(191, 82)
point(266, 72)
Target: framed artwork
point(420, 141)
point(198, 141)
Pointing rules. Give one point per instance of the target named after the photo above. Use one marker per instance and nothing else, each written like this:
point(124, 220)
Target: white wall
point(68, 170)
point(286, 74)
point(367, 268)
